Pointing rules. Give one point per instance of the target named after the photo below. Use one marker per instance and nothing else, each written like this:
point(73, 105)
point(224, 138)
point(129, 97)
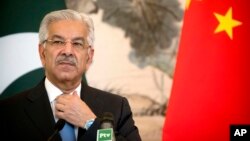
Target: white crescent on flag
point(19, 55)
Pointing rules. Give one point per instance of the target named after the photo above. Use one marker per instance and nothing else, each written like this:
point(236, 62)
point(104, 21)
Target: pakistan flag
point(19, 58)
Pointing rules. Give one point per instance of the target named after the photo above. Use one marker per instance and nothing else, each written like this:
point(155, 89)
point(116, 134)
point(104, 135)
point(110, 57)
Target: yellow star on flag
point(226, 23)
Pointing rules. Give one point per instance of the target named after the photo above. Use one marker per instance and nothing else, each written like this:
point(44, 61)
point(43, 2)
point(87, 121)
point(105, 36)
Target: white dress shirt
point(53, 92)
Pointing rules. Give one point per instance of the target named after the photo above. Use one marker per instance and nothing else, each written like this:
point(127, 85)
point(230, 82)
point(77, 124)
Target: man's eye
point(77, 44)
point(58, 42)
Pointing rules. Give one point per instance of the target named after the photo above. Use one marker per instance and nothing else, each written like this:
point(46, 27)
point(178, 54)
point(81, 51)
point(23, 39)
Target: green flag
point(19, 58)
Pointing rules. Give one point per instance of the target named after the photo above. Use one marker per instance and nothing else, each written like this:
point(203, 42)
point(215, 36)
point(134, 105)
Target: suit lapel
point(91, 99)
point(39, 110)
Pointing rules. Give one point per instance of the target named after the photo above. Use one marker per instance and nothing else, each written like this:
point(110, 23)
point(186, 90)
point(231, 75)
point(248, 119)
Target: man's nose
point(68, 49)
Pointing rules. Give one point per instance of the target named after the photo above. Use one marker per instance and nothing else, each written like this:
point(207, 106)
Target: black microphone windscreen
point(107, 120)
point(107, 123)
point(59, 124)
point(107, 116)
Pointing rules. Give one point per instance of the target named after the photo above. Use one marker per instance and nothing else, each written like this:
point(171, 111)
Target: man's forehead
point(68, 29)
point(67, 22)
point(60, 37)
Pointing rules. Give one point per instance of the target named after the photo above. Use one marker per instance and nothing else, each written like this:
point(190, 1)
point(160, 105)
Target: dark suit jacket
point(28, 116)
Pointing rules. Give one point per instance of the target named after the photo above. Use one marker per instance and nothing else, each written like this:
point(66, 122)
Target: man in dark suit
point(66, 51)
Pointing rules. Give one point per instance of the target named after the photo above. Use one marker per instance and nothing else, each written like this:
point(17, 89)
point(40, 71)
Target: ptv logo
point(239, 132)
point(105, 134)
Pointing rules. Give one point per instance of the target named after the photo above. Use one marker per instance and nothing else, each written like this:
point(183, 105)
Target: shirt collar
point(53, 91)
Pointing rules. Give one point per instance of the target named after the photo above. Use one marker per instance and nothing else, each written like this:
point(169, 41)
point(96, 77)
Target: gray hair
point(66, 15)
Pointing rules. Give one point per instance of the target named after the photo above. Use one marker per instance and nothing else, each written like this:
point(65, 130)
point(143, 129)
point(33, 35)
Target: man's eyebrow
point(60, 37)
point(78, 38)
point(57, 37)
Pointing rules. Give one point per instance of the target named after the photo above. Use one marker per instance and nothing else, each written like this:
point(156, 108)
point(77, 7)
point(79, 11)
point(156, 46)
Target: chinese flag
point(211, 86)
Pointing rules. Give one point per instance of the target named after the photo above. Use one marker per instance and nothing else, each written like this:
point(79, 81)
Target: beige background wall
point(147, 89)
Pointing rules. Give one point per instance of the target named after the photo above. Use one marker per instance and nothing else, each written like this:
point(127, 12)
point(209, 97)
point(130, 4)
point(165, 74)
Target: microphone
point(106, 132)
point(59, 125)
point(107, 120)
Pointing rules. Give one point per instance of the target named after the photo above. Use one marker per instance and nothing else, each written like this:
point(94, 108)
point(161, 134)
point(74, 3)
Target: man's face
point(62, 56)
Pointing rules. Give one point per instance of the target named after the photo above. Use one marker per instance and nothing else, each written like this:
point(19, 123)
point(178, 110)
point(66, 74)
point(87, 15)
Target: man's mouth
point(66, 63)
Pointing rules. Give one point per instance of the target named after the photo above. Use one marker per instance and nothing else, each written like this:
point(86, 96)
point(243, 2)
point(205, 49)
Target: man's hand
point(72, 109)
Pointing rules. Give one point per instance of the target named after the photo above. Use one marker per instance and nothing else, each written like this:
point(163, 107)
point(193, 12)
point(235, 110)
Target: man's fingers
point(59, 107)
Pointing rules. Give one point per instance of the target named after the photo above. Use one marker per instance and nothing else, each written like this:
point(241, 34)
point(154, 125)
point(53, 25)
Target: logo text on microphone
point(104, 134)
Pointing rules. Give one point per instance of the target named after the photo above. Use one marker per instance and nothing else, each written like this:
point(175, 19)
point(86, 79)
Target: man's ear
point(42, 54)
point(89, 59)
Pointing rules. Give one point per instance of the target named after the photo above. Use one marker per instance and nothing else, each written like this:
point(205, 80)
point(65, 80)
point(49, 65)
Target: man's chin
point(65, 76)
point(67, 68)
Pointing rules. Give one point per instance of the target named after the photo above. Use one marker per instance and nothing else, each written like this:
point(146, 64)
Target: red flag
point(211, 86)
